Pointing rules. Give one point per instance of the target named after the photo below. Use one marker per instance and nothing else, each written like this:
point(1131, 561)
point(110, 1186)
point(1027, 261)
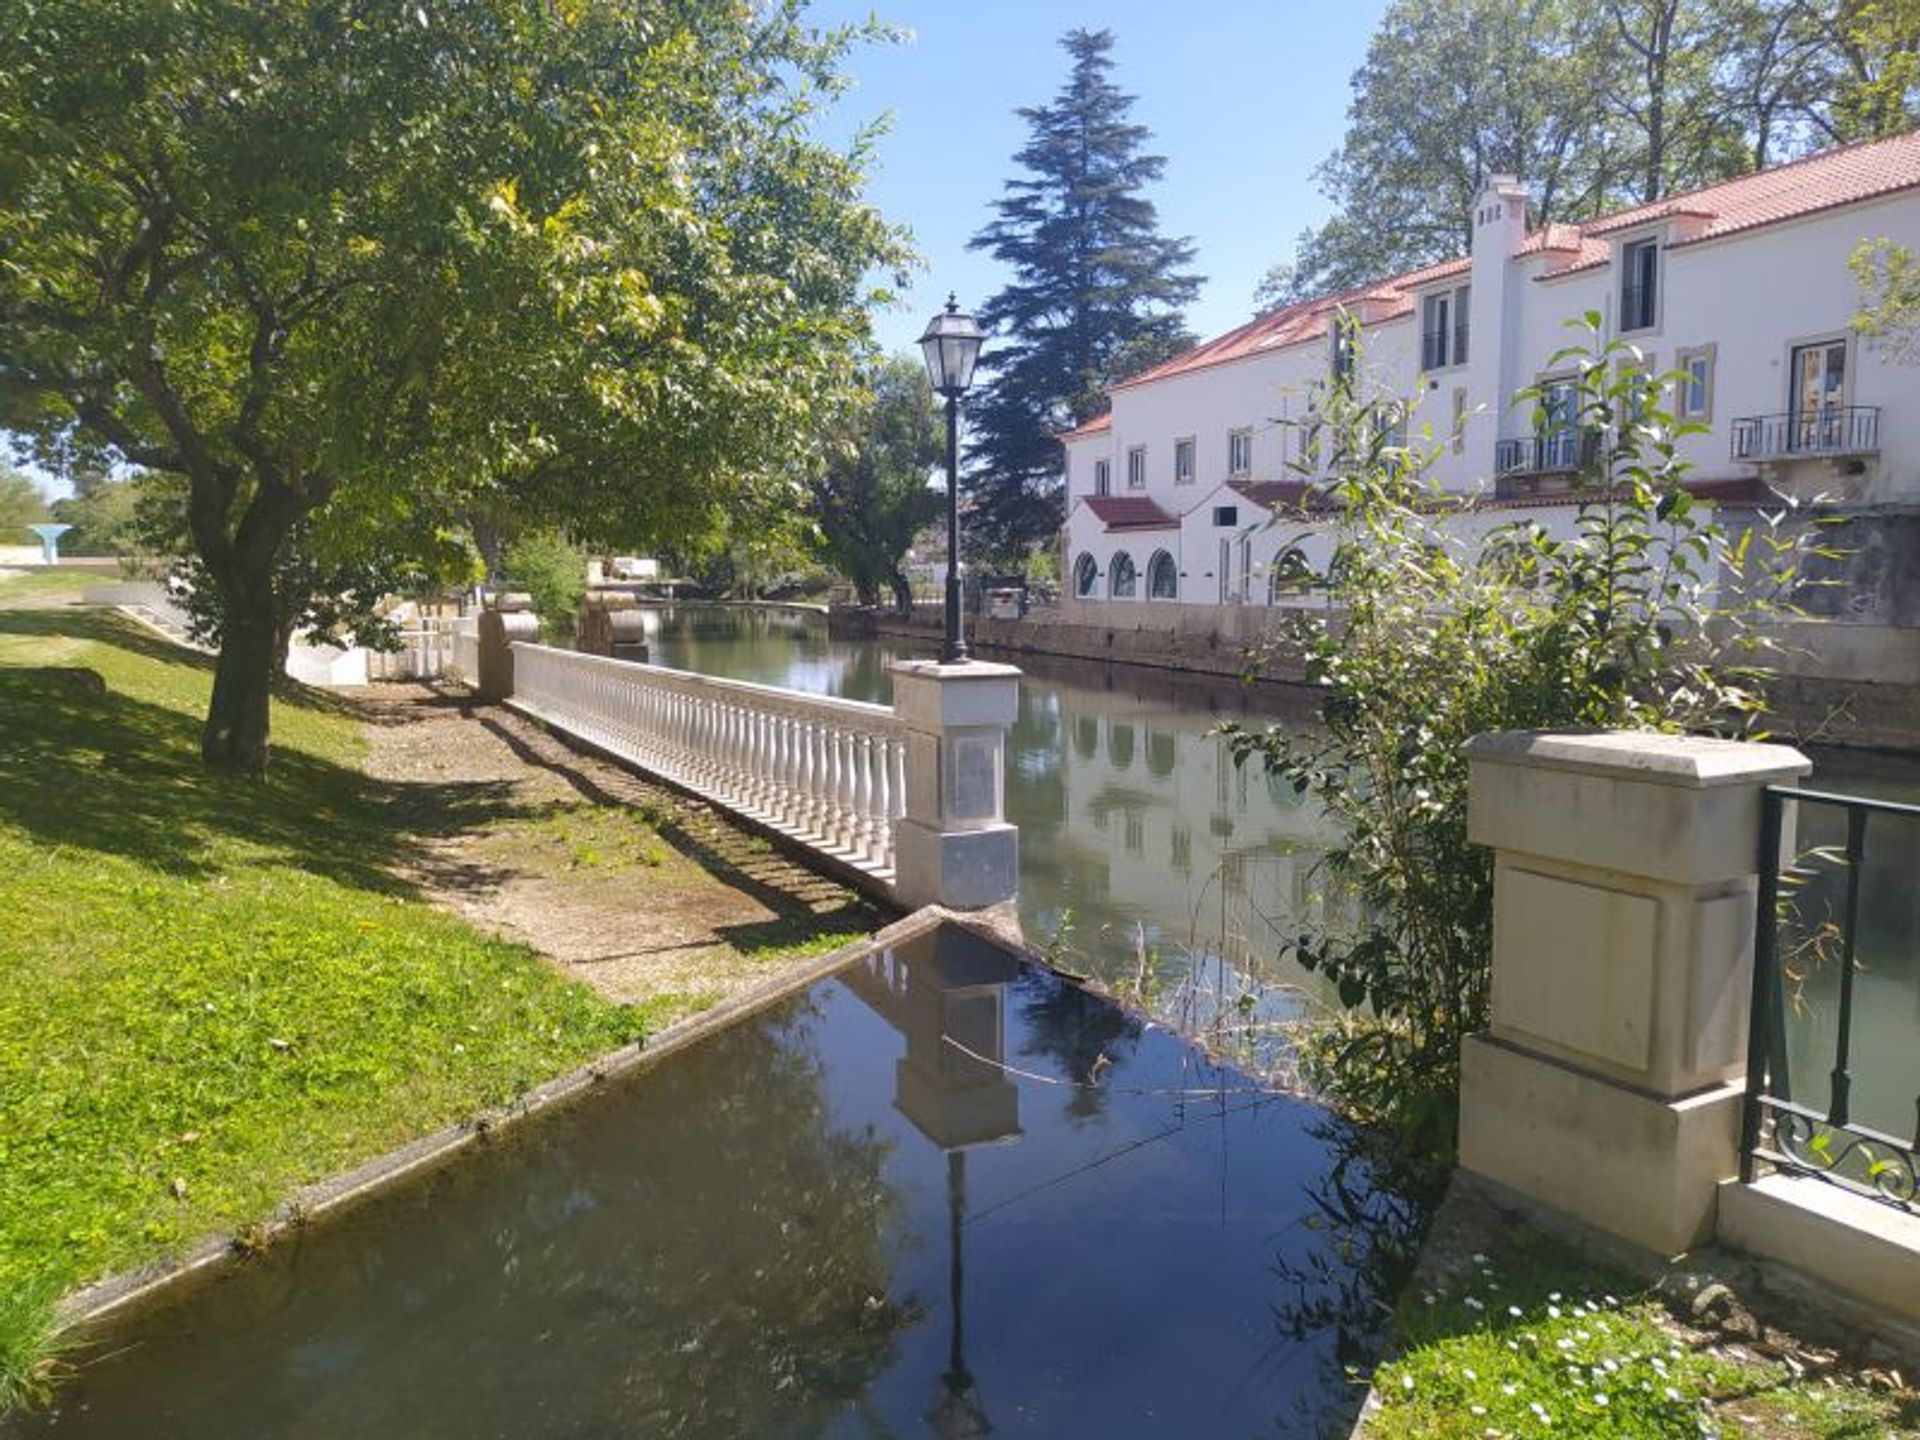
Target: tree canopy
point(21, 505)
point(1593, 106)
point(1096, 295)
point(346, 267)
point(873, 496)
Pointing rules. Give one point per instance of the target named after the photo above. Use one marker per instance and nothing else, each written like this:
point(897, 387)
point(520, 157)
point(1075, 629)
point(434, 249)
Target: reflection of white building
point(1743, 287)
point(1184, 840)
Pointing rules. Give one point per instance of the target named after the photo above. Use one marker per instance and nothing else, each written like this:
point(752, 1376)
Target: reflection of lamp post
point(946, 995)
point(952, 346)
point(957, 1412)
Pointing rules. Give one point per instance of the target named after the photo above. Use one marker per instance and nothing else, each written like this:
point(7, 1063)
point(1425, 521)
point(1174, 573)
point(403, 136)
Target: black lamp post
point(952, 346)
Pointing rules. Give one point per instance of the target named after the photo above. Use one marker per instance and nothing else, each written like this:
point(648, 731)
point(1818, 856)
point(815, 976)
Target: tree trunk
point(902, 594)
point(235, 737)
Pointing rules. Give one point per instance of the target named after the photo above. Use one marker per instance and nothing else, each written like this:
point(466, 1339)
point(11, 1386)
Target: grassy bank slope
point(212, 992)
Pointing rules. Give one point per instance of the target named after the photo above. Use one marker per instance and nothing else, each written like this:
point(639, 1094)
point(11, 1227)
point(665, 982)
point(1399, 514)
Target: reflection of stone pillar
point(507, 620)
point(1610, 1081)
point(954, 846)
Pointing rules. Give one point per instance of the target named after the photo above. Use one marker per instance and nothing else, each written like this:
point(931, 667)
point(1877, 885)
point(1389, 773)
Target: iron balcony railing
point(1792, 948)
point(1830, 430)
point(1555, 450)
point(1636, 307)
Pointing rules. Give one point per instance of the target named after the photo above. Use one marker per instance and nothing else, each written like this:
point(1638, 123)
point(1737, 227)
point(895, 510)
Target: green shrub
point(1644, 618)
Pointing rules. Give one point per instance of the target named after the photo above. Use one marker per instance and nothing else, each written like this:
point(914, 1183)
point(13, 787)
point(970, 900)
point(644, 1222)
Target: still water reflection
point(1133, 820)
point(939, 1191)
point(1135, 826)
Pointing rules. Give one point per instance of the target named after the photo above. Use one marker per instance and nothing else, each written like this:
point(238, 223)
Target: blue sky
point(1243, 99)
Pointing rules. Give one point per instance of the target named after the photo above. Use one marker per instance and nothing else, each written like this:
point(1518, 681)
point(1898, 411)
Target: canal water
point(1147, 858)
point(940, 1192)
point(1137, 831)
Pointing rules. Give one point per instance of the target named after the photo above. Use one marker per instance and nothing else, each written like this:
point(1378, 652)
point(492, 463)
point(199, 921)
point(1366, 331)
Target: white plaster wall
point(1752, 296)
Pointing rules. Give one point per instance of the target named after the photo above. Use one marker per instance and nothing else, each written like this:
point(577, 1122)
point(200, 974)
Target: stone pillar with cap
point(1610, 1080)
point(953, 846)
point(507, 619)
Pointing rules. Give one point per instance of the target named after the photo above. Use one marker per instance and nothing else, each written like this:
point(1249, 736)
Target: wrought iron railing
point(1434, 351)
point(1831, 430)
point(1636, 307)
point(1556, 450)
point(1778, 1130)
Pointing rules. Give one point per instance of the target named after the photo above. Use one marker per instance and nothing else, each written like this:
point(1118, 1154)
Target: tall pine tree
point(1096, 296)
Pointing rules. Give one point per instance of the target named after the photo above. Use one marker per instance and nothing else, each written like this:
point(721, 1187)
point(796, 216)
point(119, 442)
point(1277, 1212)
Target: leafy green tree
point(1876, 50)
point(345, 269)
point(1096, 295)
point(1432, 638)
point(1593, 106)
point(1889, 278)
point(1451, 93)
point(873, 496)
point(104, 513)
point(553, 570)
point(21, 505)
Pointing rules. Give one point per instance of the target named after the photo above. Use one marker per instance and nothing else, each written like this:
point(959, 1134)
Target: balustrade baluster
point(882, 799)
point(863, 797)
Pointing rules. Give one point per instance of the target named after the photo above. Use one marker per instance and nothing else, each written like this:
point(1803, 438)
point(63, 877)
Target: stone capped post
point(953, 846)
point(1609, 1083)
point(507, 619)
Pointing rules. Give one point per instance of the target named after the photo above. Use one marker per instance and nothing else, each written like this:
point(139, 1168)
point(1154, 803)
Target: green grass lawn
point(1537, 1341)
point(23, 587)
point(211, 991)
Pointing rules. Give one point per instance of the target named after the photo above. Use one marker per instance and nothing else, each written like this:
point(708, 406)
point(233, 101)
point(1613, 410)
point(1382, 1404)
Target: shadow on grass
point(108, 772)
point(119, 775)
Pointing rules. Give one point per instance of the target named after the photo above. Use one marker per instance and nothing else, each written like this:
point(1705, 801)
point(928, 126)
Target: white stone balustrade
point(464, 662)
point(829, 773)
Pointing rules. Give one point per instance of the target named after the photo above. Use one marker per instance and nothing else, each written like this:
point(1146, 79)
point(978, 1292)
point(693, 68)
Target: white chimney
point(1499, 230)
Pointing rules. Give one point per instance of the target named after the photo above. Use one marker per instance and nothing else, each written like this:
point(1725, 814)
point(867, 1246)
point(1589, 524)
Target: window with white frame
point(1693, 398)
point(1163, 577)
point(1103, 477)
point(1183, 461)
point(1240, 452)
point(1086, 575)
point(1443, 329)
point(1639, 285)
point(1459, 419)
point(1137, 468)
point(1122, 579)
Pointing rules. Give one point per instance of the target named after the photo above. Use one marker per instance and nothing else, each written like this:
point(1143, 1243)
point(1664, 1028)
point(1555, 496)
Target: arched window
point(1086, 575)
point(1290, 575)
point(1122, 578)
point(1163, 577)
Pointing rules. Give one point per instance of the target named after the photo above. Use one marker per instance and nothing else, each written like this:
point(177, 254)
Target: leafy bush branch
point(1648, 612)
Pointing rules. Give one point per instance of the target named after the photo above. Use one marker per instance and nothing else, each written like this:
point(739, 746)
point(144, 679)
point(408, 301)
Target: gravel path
point(627, 885)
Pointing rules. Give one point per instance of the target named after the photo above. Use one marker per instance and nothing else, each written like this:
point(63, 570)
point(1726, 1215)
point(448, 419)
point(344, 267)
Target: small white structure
point(1173, 497)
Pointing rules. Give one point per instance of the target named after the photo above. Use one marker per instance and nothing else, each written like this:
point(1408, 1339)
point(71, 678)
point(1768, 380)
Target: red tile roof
point(1092, 427)
point(1281, 494)
point(1791, 191)
point(1845, 176)
point(1130, 512)
point(1297, 324)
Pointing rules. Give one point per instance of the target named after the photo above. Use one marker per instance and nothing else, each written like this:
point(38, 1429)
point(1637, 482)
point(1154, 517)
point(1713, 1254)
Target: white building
point(1744, 286)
